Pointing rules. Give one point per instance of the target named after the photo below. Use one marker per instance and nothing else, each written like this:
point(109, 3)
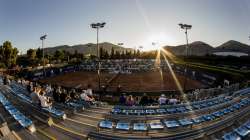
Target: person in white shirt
point(45, 103)
point(162, 100)
point(89, 93)
point(85, 97)
point(173, 101)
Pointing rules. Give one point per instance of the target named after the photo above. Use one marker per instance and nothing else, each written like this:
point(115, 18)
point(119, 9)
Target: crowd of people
point(45, 94)
point(147, 100)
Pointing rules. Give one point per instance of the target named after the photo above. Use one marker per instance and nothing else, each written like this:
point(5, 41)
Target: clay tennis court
point(138, 82)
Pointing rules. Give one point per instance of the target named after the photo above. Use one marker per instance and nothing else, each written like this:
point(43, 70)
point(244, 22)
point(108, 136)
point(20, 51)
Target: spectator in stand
point(63, 96)
point(151, 101)
point(89, 93)
point(45, 101)
point(162, 100)
point(56, 94)
point(144, 100)
point(73, 94)
point(130, 101)
point(85, 97)
point(34, 97)
point(48, 90)
point(137, 100)
point(122, 99)
point(59, 92)
point(173, 101)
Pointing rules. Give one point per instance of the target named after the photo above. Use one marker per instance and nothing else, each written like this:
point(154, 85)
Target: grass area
point(228, 71)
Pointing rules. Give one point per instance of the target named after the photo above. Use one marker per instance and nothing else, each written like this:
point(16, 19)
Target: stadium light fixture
point(43, 38)
point(185, 27)
point(97, 26)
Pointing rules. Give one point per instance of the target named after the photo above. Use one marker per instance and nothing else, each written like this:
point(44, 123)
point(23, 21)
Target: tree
point(112, 54)
point(117, 55)
point(101, 53)
point(106, 54)
point(59, 55)
point(8, 54)
point(39, 53)
point(31, 54)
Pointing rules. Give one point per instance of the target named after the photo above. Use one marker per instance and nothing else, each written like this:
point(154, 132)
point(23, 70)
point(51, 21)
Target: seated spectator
point(73, 94)
point(144, 99)
point(84, 96)
point(151, 101)
point(89, 93)
point(34, 97)
point(162, 100)
point(48, 90)
point(63, 96)
point(122, 99)
point(173, 101)
point(55, 95)
point(130, 101)
point(45, 101)
point(137, 100)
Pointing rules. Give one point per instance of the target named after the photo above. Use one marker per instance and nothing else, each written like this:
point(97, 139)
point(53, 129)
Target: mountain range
point(199, 48)
point(89, 48)
point(195, 48)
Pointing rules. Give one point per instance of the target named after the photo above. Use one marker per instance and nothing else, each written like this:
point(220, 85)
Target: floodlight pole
point(43, 38)
point(97, 26)
point(186, 27)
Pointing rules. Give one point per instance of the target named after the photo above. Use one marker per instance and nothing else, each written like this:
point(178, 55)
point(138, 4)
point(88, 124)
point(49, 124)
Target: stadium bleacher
point(19, 93)
point(191, 120)
point(16, 114)
point(239, 133)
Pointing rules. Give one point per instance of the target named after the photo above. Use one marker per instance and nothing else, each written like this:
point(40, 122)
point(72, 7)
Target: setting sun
point(157, 41)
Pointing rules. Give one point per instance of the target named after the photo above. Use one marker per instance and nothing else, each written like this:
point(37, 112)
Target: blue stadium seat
point(55, 112)
point(171, 124)
point(208, 117)
point(237, 106)
point(247, 125)
point(13, 111)
point(218, 113)
point(161, 111)
point(116, 110)
point(156, 124)
point(242, 131)
point(106, 124)
point(231, 136)
point(127, 111)
point(140, 127)
point(196, 106)
point(139, 112)
point(181, 109)
point(122, 126)
point(9, 107)
point(198, 120)
point(171, 110)
point(185, 122)
point(226, 110)
point(25, 122)
point(150, 111)
point(18, 116)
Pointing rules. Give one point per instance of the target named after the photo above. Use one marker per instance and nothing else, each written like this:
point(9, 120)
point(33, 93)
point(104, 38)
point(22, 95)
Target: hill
point(196, 48)
point(233, 46)
point(89, 48)
point(199, 48)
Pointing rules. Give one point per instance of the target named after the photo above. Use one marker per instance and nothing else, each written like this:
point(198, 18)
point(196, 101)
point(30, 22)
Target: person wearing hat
point(162, 100)
point(144, 99)
point(122, 99)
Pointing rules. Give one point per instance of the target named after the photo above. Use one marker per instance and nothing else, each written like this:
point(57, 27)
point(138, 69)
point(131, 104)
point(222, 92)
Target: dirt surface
point(145, 81)
point(79, 79)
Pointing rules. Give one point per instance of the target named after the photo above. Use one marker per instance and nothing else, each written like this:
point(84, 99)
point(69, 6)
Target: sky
point(132, 22)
